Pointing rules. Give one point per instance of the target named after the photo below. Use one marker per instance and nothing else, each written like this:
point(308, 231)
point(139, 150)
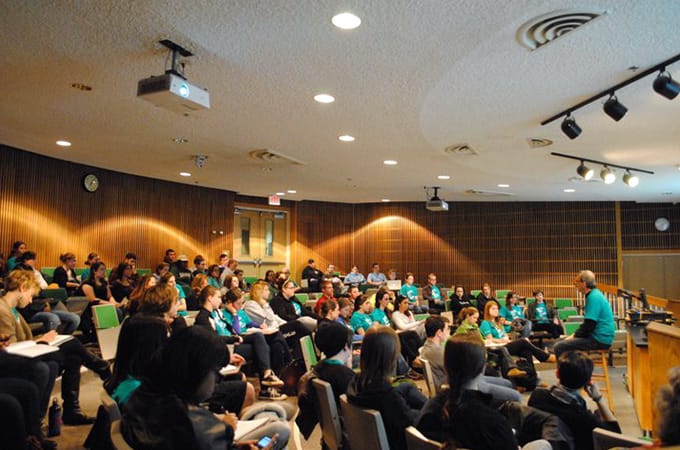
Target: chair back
point(429, 378)
point(57, 294)
point(566, 312)
point(302, 298)
point(331, 429)
point(416, 441)
point(571, 327)
point(105, 316)
point(563, 303)
point(308, 352)
point(364, 427)
point(605, 439)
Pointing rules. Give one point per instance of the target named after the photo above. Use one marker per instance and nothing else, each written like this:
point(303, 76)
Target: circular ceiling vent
point(460, 149)
point(270, 156)
point(538, 142)
point(544, 29)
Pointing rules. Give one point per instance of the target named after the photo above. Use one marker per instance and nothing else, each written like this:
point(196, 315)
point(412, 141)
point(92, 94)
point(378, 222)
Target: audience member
point(230, 268)
point(131, 259)
point(432, 294)
point(543, 316)
point(213, 276)
point(65, 275)
point(346, 308)
point(92, 258)
point(287, 306)
point(312, 275)
point(26, 261)
point(327, 294)
point(197, 284)
point(180, 269)
point(597, 330)
point(459, 300)
point(163, 413)
point(245, 287)
point(361, 320)
point(97, 291)
point(376, 278)
point(144, 283)
point(354, 276)
point(169, 279)
point(121, 282)
point(514, 316)
point(200, 266)
point(18, 248)
point(20, 287)
point(485, 296)
point(410, 291)
point(404, 320)
point(564, 400)
point(667, 404)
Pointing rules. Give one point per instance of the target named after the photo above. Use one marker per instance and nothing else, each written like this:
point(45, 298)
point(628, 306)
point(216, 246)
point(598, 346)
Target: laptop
point(393, 285)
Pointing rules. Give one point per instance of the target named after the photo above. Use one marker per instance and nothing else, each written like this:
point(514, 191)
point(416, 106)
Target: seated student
point(376, 277)
point(20, 287)
point(345, 313)
point(200, 266)
point(18, 248)
point(432, 294)
point(564, 400)
point(437, 329)
point(335, 369)
point(512, 312)
point(197, 285)
point(462, 414)
point(65, 275)
point(409, 339)
point(27, 262)
point(164, 412)
point(245, 286)
point(459, 300)
point(92, 258)
point(144, 283)
point(354, 276)
point(327, 294)
point(597, 330)
point(20, 416)
point(330, 312)
point(213, 276)
point(169, 279)
point(410, 291)
point(242, 325)
point(121, 283)
point(361, 320)
point(543, 316)
point(667, 403)
point(250, 347)
point(286, 305)
point(259, 311)
point(468, 319)
point(404, 320)
point(161, 269)
point(485, 296)
point(371, 387)
point(492, 330)
point(97, 291)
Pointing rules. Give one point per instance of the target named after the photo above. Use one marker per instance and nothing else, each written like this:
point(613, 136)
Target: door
point(260, 240)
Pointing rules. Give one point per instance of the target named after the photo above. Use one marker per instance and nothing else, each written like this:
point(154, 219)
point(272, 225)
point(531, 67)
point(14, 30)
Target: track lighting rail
point(602, 163)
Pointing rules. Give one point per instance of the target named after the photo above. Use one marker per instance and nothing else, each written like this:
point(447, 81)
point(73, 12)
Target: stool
point(601, 358)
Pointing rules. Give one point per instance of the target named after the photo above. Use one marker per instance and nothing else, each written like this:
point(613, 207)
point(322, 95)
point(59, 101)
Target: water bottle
point(54, 419)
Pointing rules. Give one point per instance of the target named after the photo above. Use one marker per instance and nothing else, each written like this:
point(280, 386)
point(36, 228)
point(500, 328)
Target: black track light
point(585, 172)
point(570, 128)
point(666, 86)
point(614, 109)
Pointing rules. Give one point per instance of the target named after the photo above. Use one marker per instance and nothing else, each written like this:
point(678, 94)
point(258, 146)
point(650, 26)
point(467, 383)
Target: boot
point(70, 391)
point(95, 364)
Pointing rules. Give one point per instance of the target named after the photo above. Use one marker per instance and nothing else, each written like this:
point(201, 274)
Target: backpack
point(530, 381)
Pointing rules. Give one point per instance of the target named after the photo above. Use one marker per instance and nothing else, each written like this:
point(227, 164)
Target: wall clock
point(662, 224)
point(90, 182)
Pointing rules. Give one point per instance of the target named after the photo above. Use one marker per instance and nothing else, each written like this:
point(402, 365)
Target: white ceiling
point(416, 77)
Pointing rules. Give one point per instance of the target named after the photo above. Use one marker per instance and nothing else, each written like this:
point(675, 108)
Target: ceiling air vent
point(272, 157)
point(484, 193)
point(544, 29)
point(538, 142)
point(460, 149)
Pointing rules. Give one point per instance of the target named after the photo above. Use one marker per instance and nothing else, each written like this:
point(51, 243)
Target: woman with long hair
point(18, 248)
point(514, 315)
point(213, 276)
point(371, 388)
point(65, 275)
point(121, 282)
point(144, 283)
point(493, 332)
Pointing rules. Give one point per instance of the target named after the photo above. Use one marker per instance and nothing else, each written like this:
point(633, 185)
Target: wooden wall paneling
point(43, 203)
point(637, 226)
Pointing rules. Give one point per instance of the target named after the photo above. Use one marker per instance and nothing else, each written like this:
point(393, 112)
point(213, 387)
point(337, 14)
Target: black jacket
point(203, 320)
point(285, 309)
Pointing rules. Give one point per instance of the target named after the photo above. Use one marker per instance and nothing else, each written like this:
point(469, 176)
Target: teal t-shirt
point(378, 315)
point(487, 328)
point(220, 324)
point(542, 313)
point(599, 310)
point(360, 320)
point(410, 292)
point(436, 293)
point(243, 319)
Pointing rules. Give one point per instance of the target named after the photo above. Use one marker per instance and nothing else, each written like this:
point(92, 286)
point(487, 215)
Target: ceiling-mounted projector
point(435, 203)
point(172, 90)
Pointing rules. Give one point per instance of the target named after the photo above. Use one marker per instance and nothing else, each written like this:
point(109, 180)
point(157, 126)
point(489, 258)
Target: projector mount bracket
point(176, 67)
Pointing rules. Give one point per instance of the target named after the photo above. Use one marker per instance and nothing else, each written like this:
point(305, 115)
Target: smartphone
point(265, 441)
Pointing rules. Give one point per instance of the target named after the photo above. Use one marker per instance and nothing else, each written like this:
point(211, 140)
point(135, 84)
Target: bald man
point(597, 330)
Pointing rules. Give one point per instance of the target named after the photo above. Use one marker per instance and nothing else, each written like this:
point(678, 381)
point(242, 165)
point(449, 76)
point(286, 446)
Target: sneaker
point(412, 374)
point(271, 380)
point(552, 358)
point(271, 394)
point(516, 373)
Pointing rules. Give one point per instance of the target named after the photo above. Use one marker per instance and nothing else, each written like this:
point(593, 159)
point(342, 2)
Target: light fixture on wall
point(663, 85)
point(607, 173)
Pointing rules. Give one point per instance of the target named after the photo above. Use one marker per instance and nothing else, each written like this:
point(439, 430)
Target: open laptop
point(393, 285)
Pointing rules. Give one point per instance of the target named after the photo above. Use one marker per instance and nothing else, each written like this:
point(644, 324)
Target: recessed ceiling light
point(63, 143)
point(185, 174)
point(390, 162)
point(180, 140)
point(346, 138)
point(503, 185)
point(346, 21)
point(385, 200)
point(444, 177)
point(292, 191)
point(324, 98)
point(280, 193)
point(570, 190)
